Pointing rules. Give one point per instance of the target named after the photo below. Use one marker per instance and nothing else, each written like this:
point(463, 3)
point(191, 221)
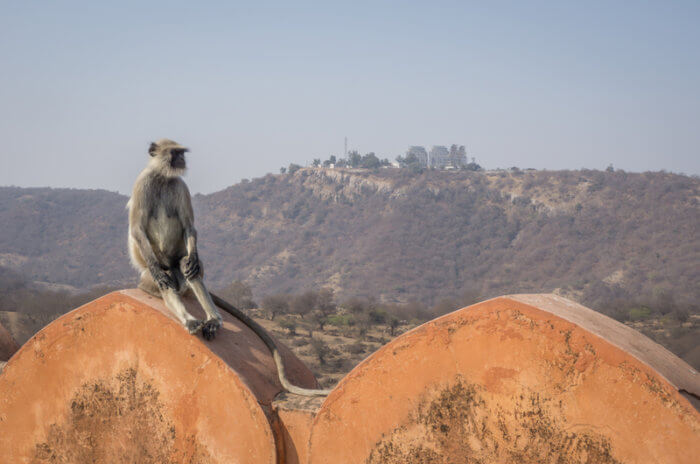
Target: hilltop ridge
point(401, 236)
point(393, 234)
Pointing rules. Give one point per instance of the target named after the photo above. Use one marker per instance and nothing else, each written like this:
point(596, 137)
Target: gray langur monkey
point(163, 240)
point(163, 248)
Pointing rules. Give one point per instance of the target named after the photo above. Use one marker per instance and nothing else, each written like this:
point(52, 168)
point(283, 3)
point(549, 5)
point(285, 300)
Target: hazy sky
point(85, 86)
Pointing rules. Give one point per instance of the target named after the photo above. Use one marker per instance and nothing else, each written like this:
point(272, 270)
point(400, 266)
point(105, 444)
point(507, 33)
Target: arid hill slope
point(395, 235)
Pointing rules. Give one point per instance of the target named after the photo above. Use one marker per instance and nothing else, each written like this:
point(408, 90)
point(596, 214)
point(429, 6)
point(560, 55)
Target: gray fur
point(162, 237)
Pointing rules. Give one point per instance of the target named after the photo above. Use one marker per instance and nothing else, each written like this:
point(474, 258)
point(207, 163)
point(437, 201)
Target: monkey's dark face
point(167, 158)
point(177, 158)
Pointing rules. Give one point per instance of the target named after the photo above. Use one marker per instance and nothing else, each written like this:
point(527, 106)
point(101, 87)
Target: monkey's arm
point(190, 263)
point(191, 240)
point(138, 220)
point(191, 267)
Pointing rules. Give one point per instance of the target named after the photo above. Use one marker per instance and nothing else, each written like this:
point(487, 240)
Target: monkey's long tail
point(271, 345)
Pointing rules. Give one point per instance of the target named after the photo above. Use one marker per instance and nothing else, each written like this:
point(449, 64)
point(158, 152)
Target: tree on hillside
point(290, 324)
point(472, 167)
point(332, 160)
point(355, 306)
point(316, 162)
point(320, 349)
point(394, 323)
point(370, 161)
point(274, 305)
point(325, 306)
point(293, 168)
point(410, 162)
point(363, 312)
point(239, 294)
point(326, 301)
point(354, 159)
point(303, 304)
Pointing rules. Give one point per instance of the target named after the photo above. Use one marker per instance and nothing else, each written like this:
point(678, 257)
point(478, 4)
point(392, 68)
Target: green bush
point(639, 314)
point(290, 324)
point(341, 320)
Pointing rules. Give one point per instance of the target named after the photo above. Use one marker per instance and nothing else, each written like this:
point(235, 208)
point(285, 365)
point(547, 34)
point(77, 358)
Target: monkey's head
point(168, 157)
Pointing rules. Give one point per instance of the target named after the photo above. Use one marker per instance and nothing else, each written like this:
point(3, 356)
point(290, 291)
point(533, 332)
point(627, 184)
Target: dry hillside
point(602, 238)
point(413, 244)
point(399, 236)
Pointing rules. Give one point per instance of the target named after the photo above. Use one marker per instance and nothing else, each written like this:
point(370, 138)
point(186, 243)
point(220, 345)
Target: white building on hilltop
point(419, 153)
point(439, 156)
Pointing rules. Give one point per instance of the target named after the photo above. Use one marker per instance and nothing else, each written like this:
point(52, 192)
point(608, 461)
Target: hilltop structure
point(420, 154)
point(439, 156)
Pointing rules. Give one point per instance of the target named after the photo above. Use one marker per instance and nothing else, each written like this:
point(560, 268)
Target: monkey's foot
point(193, 326)
point(209, 329)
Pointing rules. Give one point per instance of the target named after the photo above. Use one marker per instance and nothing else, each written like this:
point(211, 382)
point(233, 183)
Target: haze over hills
point(392, 234)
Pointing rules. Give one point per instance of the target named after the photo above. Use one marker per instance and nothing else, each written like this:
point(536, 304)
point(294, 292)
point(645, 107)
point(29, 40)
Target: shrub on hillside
point(320, 349)
point(639, 314)
point(290, 324)
point(340, 320)
point(356, 348)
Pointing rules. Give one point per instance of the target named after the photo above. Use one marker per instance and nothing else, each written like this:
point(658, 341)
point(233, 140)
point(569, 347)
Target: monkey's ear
point(152, 149)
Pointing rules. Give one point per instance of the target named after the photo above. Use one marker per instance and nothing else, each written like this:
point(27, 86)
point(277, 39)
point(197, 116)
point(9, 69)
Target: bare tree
point(239, 294)
point(320, 349)
point(275, 305)
point(325, 306)
point(394, 323)
point(303, 304)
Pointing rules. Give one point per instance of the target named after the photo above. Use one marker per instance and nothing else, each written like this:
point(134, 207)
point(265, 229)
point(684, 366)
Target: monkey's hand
point(190, 266)
point(162, 278)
